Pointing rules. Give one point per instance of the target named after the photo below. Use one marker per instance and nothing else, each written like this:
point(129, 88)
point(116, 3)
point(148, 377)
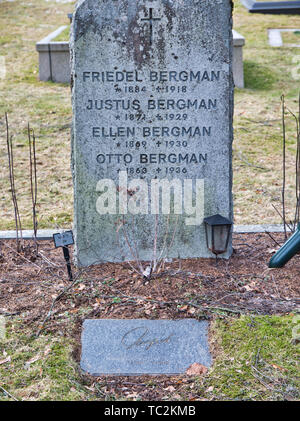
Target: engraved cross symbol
point(151, 19)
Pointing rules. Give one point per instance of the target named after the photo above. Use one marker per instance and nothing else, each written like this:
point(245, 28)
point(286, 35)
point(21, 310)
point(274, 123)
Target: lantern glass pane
point(209, 229)
point(220, 238)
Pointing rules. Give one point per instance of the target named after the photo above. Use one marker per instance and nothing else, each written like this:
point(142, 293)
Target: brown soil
point(242, 284)
point(30, 287)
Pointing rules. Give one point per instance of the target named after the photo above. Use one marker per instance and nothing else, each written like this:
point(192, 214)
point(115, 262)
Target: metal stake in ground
point(64, 240)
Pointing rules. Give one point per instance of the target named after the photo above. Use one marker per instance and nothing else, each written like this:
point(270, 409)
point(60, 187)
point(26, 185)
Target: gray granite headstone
point(134, 347)
point(152, 91)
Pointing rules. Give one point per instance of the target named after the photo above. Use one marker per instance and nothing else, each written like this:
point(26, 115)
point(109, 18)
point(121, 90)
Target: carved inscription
point(150, 19)
point(147, 116)
point(141, 336)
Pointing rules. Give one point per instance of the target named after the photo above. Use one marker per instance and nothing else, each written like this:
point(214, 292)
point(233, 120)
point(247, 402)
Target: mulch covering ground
point(38, 291)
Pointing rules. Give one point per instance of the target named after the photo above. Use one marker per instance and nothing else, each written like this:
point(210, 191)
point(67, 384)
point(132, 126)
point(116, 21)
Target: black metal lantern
point(217, 231)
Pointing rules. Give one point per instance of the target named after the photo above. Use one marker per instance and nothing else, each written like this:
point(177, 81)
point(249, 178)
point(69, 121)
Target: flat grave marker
point(136, 347)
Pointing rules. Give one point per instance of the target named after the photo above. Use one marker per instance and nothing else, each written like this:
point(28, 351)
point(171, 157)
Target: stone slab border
point(275, 37)
point(54, 58)
point(47, 234)
point(273, 7)
point(238, 64)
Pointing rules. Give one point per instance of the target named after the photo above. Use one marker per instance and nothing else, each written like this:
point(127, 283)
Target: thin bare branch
point(33, 181)
point(283, 165)
point(9, 394)
point(12, 183)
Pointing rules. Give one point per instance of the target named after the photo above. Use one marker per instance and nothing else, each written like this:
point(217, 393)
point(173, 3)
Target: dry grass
point(48, 108)
point(46, 105)
point(257, 122)
point(291, 37)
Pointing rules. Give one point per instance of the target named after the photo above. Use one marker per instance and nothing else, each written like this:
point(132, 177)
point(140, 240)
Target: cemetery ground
point(251, 309)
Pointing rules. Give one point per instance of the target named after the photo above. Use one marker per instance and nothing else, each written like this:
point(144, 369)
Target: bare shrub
point(9, 142)
point(159, 252)
point(290, 225)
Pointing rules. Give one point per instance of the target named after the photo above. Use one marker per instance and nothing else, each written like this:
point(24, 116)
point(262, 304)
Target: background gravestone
point(133, 347)
point(152, 99)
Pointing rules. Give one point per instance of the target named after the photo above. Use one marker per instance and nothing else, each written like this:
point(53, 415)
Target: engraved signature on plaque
point(140, 336)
